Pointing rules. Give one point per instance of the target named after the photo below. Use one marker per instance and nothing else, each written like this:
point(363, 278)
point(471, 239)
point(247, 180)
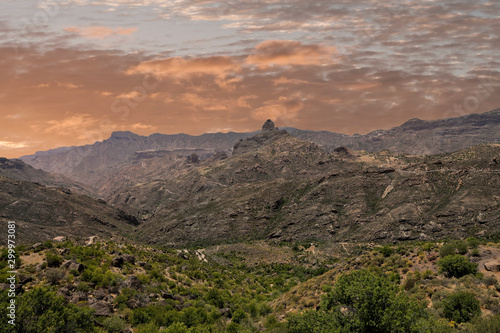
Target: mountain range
point(422, 180)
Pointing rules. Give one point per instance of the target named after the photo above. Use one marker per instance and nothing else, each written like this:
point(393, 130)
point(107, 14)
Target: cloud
point(68, 125)
point(13, 145)
point(141, 126)
point(345, 66)
point(100, 32)
point(67, 85)
point(180, 67)
point(284, 52)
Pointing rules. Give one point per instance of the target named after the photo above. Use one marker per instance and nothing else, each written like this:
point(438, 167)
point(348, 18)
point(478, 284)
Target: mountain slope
point(18, 170)
point(42, 213)
point(276, 186)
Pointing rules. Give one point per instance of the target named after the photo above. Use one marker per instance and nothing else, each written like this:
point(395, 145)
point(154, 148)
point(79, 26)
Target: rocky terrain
point(276, 186)
point(18, 170)
point(42, 213)
point(93, 164)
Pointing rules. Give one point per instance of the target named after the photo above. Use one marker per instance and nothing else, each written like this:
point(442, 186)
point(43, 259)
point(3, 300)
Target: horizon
point(76, 71)
point(258, 130)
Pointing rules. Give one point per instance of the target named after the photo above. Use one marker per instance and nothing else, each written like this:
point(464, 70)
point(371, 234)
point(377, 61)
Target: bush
point(462, 247)
point(42, 310)
point(387, 251)
point(177, 328)
point(456, 266)
point(475, 253)
point(461, 307)
point(114, 324)
point(490, 324)
point(53, 260)
point(54, 275)
point(311, 322)
point(238, 316)
point(446, 250)
point(473, 242)
point(374, 303)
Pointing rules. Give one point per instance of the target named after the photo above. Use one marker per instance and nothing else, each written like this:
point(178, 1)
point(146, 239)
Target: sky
point(74, 71)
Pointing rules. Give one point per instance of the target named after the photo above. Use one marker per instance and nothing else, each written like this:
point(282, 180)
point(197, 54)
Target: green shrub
point(374, 303)
point(42, 310)
point(446, 250)
point(490, 324)
point(214, 297)
point(462, 247)
point(148, 328)
point(238, 316)
point(428, 246)
point(456, 266)
point(427, 274)
point(83, 286)
point(461, 307)
point(53, 260)
point(54, 275)
point(473, 242)
point(475, 253)
point(312, 322)
point(177, 328)
point(386, 250)
point(114, 324)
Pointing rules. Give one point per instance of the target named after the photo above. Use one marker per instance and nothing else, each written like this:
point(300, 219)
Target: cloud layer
point(74, 73)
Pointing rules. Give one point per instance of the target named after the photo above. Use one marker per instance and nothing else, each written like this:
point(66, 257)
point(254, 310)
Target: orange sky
point(73, 80)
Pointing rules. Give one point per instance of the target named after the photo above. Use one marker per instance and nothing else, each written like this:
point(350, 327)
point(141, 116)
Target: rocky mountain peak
point(269, 134)
point(124, 135)
point(268, 126)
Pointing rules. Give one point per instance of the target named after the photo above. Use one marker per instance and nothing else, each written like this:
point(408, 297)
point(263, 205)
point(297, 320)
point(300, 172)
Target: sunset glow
point(75, 71)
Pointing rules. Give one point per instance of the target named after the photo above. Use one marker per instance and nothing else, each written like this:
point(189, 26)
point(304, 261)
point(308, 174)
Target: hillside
point(251, 287)
point(276, 186)
point(42, 213)
point(18, 170)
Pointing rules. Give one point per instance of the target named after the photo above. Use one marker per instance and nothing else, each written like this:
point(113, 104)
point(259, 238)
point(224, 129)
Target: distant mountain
point(277, 186)
point(94, 164)
point(18, 170)
point(417, 137)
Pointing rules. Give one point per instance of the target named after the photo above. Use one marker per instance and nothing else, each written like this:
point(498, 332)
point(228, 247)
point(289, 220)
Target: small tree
point(461, 307)
point(365, 301)
point(446, 250)
point(456, 266)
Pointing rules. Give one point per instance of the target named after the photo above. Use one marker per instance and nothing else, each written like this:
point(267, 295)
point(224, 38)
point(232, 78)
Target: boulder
point(121, 259)
point(100, 293)
point(144, 264)
point(70, 264)
point(79, 297)
point(23, 279)
point(18, 288)
point(132, 282)
point(492, 265)
point(128, 258)
point(117, 261)
point(102, 308)
point(268, 126)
